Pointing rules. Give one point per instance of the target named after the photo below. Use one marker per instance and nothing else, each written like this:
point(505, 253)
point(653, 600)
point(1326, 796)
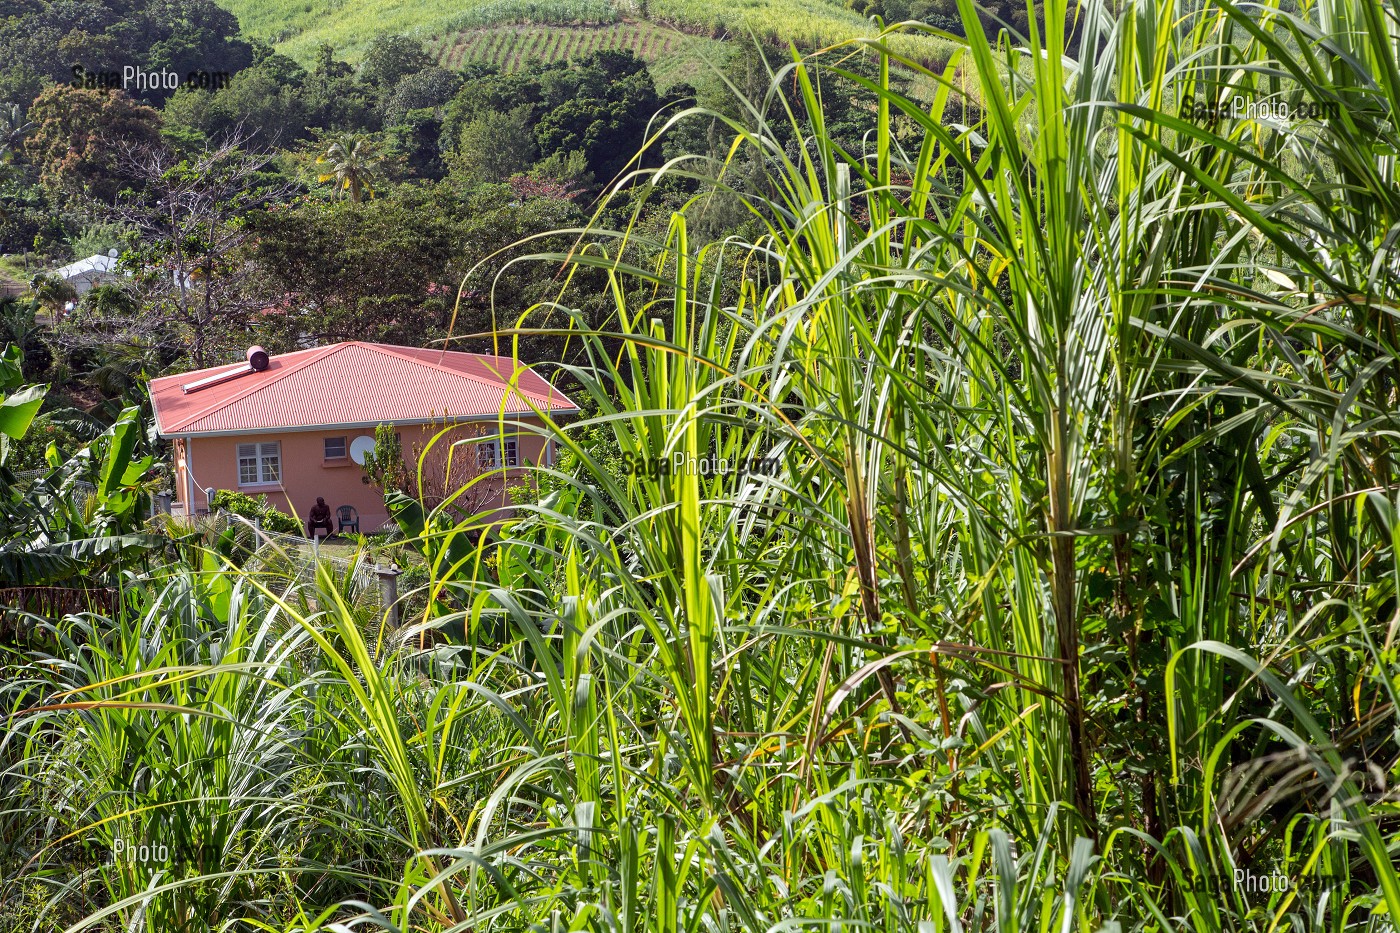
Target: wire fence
point(22, 606)
point(284, 563)
point(292, 560)
point(81, 489)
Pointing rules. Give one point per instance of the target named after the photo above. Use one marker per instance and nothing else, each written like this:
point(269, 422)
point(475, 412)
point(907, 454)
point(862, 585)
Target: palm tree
point(352, 161)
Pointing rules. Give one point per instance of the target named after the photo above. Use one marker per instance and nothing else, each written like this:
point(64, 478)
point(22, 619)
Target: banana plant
point(51, 526)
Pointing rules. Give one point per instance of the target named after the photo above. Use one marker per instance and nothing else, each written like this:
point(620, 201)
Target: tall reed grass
point(1071, 604)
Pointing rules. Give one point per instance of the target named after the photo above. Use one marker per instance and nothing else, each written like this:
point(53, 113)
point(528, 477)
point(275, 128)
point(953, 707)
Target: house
point(296, 426)
point(86, 274)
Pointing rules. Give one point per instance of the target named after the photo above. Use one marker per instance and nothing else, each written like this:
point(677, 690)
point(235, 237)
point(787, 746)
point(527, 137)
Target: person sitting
point(320, 517)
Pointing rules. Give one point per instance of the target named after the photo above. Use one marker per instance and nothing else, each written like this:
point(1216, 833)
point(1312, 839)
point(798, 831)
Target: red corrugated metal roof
point(352, 383)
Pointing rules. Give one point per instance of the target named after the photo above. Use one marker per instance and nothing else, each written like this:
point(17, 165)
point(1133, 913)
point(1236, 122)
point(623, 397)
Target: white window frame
point(344, 448)
point(266, 460)
point(488, 454)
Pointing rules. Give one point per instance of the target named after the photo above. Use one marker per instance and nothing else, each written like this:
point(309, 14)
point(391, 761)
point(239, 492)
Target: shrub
point(384, 466)
point(256, 508)
point(27, 453)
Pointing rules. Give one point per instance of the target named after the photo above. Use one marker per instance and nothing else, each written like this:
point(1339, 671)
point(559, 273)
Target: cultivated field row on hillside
point(671, 53)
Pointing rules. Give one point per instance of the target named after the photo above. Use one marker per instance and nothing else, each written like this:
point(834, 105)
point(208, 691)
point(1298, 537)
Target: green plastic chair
point(347, 517)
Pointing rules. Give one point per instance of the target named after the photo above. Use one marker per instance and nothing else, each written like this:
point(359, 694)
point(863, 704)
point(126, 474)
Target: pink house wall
point(213, 462)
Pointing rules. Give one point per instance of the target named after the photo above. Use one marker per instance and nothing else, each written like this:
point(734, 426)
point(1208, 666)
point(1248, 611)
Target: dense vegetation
point(1070, 602)
point(291, 204)
point(41, 40)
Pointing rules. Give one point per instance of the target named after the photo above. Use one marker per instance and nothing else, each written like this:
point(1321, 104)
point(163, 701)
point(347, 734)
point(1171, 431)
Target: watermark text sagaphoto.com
point(1252, 883)
point(160, 854)
point(1239, 107)
point(140, 80)
point(683, 464)
point(139, 852)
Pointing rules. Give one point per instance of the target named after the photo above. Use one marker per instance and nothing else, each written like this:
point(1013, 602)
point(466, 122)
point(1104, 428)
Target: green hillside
point(349, 25)
point(673, 55)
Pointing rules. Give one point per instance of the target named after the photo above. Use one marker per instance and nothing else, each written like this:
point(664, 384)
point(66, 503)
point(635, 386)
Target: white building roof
point(96, 264)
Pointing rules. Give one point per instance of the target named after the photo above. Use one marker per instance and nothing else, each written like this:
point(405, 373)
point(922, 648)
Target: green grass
point(13, 266)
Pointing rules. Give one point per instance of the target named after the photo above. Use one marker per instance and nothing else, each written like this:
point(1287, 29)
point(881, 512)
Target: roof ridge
point(512, 384)
point(529, 367)
point(521, 366)
point(312, 357)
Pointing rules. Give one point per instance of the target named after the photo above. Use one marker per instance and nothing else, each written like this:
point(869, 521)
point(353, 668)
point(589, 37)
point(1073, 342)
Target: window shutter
point(247, 464)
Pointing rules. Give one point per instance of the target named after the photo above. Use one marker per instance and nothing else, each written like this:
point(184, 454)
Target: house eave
point(155, 414)
point(358, 425)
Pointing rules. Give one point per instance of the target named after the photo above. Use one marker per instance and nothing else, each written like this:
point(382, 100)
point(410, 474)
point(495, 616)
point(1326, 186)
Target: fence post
point(389, 591)
point(257, 535)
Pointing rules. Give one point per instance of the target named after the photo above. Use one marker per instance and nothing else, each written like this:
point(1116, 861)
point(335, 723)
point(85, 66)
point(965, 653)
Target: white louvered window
point(259, 463)
point(335, 448)
point(488, 454)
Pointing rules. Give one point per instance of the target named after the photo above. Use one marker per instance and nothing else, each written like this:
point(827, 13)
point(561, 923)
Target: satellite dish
point(360, 448)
